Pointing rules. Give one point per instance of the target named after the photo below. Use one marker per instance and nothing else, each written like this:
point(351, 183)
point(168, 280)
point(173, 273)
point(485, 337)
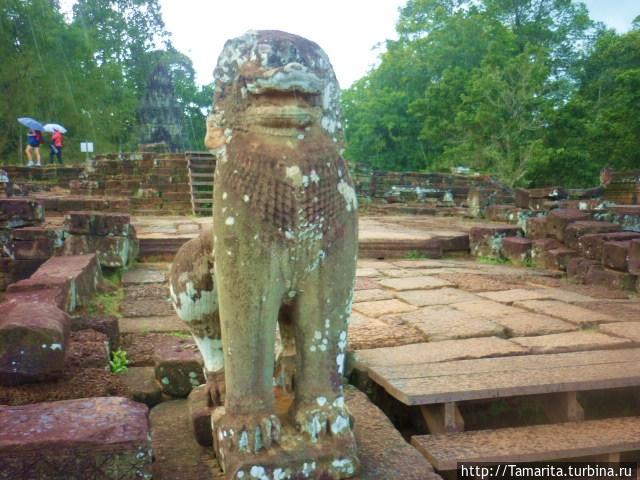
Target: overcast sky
point(348, 30)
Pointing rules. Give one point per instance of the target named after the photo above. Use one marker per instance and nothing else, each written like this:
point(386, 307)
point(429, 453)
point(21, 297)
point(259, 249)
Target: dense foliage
point(532, 91)
point(88, 72)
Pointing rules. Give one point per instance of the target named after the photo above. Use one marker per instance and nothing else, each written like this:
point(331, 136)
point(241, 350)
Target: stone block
point(88, 349)
point(105, 438)
point(537, 227)
point(517, 250)
point(529, 324)
point(12, 271)
point(37, 233)
point(502, 213)
point(41, 248)
point(200, 414)
point(627, 215)
point(557, 258)
point(105, 324)
point(616, 255)
point(178, 368)
point(576, 230)
point(605, 277)
point(559, 219)
point(634, 257)
point(371, 295)
point(33, 341)
point(591, 245)
point(438, 323)
point(365, 332)
point(441, 296)
point(97, 223)
point(142, 384)
point(571, 313)
point(540, 249)
point(578, 267)
point(486, 241)
point(571, 342)
point(535, 198)
point(383, 307)
point(112, 252)
point(73, 278)
point(20, 212)
point(415, 283)
point(629, 330)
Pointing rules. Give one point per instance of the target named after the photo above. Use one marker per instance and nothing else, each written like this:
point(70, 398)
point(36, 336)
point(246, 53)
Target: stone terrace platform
point(442, 340)
point(433, 339)
point(380, 236)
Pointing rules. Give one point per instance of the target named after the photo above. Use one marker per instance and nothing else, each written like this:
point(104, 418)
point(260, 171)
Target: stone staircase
point(201, 166)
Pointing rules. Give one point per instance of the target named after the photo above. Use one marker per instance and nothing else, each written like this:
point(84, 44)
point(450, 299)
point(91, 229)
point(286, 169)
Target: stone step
point(107, 436)
point(576, 230)
point(159, 324)
point(540, 443)
point(415, 383)
point(486, 241)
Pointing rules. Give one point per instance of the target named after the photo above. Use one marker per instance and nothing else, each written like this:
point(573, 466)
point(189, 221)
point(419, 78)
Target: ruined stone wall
point(154, 184)
point(417, 186)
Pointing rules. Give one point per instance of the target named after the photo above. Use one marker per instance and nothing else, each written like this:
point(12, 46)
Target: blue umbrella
point(31, 123)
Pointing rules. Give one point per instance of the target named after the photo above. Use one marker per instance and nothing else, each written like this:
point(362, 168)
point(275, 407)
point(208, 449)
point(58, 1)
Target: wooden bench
point(532, 444)
point(436, 387)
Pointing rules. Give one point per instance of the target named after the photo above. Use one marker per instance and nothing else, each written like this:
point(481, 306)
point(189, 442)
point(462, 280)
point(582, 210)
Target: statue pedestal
point(331, 457)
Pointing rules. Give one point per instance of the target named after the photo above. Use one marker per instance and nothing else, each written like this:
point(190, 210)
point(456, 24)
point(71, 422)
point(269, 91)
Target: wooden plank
point(203, 200)
point(443, 418)
point(563, 407)
point(475, 386)
point(202, 184)
point(201, 175)
point(531, 444)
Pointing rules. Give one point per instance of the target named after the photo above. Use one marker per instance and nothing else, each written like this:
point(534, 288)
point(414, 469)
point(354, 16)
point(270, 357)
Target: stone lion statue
point(285, 246)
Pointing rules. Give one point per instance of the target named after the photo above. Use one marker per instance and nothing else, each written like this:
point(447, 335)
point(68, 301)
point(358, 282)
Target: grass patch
point(109, 301)
point(185, 336)
point(492, 260)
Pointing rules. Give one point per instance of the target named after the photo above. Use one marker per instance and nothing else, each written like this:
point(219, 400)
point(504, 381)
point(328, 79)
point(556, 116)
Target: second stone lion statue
point(285, 246)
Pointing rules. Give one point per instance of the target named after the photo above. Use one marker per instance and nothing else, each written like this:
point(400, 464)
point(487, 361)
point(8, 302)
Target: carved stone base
point(295, 456)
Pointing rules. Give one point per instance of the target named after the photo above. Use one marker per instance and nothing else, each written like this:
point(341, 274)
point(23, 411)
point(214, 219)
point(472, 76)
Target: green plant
point(119, 361)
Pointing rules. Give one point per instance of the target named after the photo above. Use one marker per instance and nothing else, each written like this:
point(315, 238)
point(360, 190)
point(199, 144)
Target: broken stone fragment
point(178, 368)
point(97, 223)
point(104, 437)
point(33, 341)
point(20, 212)
point(74, 277)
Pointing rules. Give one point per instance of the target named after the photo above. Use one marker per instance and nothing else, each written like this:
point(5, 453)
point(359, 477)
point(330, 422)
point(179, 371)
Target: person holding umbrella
point(34, 139)
point(57, 140)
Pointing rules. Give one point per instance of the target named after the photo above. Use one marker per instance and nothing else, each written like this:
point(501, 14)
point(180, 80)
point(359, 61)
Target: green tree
point(473, 82)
